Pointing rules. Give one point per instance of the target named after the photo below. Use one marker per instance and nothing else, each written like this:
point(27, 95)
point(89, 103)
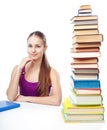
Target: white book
point(85, 54)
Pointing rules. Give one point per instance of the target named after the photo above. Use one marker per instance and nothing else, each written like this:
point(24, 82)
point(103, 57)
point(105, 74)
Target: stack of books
point(85, 102)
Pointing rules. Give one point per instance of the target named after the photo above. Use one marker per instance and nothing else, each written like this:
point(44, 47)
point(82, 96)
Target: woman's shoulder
point(16, 68)
point(54, 72)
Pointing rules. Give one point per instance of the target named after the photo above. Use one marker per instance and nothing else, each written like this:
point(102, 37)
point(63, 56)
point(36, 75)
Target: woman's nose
point(33, 49)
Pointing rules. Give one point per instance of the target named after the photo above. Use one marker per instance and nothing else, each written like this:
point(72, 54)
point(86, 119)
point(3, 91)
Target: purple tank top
point(28, 88)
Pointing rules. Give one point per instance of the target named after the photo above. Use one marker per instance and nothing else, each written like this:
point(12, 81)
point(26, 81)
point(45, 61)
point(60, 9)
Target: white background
point(18, 18)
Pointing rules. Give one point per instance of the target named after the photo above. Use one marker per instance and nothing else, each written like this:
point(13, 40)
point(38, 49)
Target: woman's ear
point(45, 48)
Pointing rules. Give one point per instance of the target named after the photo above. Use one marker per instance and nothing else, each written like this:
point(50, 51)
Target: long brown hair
point(44, 74)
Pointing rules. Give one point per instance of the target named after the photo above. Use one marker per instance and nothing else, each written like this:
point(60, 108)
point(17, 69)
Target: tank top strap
point(23, 70)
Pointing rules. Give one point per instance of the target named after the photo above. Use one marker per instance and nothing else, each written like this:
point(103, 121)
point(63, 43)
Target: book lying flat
point(77, 18)
point(86, 45)
point(88, 38)
point(7, 105)
point(87, 91)
point(70, 118)
point(91, 49)
point(83, 117)
point(69, 108)
point(85, 99)
point(85, 60)
point(87, 26)
point(85, 54)
point(85, 7)
point(86, 32)
point(85, 76)
point(85, 83)
point(85, 22)
point(86, 65)
point(85, 70)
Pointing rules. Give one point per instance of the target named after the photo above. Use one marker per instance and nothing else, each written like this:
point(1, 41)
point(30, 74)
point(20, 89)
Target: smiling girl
point(34, 80)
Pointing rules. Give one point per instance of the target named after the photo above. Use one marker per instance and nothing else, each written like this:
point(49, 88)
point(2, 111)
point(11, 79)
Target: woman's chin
point(33, 59)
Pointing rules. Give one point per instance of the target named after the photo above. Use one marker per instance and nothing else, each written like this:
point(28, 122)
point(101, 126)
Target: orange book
point(88, 38)
point(86, 32)
point(86, 44)
point(84, 60)
point(94, 49)
point(78, 18)
point(85, 7)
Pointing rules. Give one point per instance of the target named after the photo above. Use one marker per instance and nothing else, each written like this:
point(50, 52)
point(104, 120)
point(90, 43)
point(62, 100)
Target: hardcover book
point(87, 91)
point(85, 83)
point(85, 99)
point(69, 108)
point(91, 17)
point(7, 105)
point(86, 44)
point(88, 38)
point(82, 117)
point(86, 32)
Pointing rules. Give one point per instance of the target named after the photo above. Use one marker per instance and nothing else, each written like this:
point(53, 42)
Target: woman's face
point(35, 47)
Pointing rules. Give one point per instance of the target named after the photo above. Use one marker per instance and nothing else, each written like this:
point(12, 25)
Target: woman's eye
point(38, 46)
point(29, 45)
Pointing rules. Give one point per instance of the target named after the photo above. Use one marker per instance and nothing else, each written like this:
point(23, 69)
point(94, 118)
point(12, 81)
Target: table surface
point(31, 116)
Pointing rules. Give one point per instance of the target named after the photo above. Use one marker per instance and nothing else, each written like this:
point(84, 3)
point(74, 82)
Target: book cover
point(85, 70)
point(85, 99)
point(88, 26)
point(86, 44)
point(84, 12)
point(85, 60)
point(84, 65)
point(86, 32)
point(94, 49)
point(84, 117)
point(85, 83)
point(71, 118)
point(85, 54)
point(88, 38)
point(91, 17)
point(85, 76)
point(87, 91)
point(85, 22)
point(75, 109)
point(85, 7)
point(7, 105)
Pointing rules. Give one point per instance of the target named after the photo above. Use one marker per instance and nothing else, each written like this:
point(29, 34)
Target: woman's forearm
point(12, 90)
point(47, 100)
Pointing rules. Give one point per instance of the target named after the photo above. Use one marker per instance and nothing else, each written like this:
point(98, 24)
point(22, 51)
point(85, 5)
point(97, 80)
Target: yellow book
point(69, 108)
point(84, 118)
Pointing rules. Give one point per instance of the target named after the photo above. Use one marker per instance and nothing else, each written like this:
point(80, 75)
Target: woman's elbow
point(58, 101)
point(10, 97)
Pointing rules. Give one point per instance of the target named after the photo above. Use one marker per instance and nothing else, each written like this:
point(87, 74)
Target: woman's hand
point(24, 62)
point(21, 98)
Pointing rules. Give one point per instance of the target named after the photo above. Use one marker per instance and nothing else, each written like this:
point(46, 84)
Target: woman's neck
point(36, 63)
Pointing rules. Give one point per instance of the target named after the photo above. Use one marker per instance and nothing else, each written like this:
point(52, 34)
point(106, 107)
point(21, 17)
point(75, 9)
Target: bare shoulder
point(14, 69)
point(54, 73)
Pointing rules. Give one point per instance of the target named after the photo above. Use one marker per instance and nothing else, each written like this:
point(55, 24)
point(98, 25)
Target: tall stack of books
point(85, 102)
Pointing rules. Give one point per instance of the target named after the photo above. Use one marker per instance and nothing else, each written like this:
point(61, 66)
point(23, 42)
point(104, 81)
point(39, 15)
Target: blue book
point(85, 83)
point(7, 105)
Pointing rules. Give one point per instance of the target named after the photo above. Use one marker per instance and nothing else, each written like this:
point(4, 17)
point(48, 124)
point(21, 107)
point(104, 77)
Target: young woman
point(33, 80)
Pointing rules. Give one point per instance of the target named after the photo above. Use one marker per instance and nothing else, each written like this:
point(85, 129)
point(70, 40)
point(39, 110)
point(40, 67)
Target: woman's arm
point(12, 90)
point(56, 95)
